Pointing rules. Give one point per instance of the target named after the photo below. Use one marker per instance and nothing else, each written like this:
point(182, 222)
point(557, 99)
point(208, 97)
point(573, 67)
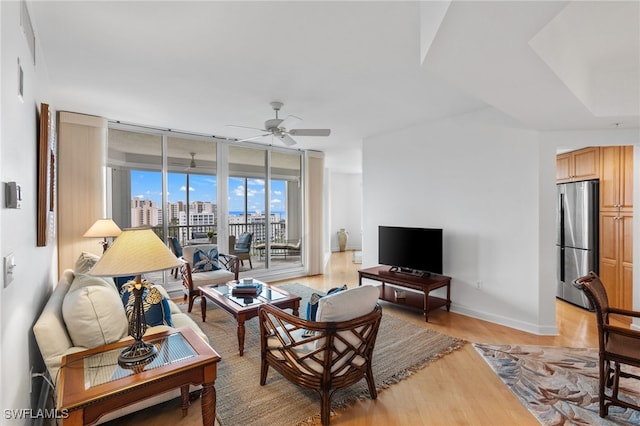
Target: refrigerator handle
point(561, 260)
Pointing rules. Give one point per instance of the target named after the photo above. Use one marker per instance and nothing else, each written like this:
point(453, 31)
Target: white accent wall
point(490, 184)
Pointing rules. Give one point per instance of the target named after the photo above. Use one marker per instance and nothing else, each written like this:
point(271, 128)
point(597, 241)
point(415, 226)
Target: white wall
point(35, 273)
point(346, 209)
point(491, 186)
point(475, 176)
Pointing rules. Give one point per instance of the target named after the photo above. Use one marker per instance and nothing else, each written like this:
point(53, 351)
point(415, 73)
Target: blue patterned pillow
point(203, 262)
point(156, 308)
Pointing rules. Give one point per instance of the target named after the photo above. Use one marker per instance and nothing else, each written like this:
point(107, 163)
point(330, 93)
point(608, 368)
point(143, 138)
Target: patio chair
point(176, 248)
point(618, 346)
point(242, 248)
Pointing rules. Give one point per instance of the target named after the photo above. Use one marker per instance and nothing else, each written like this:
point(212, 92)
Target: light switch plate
point(9, 265)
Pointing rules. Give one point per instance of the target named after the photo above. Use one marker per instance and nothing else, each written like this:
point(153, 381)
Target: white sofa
point(54, 336)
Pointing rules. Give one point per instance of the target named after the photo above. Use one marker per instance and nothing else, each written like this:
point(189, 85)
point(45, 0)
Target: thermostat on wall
point(13, 195)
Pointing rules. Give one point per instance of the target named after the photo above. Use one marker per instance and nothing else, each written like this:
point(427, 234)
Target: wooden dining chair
point(618, 347)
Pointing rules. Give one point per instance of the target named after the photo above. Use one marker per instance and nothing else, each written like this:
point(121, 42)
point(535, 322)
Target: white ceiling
point(355, 67)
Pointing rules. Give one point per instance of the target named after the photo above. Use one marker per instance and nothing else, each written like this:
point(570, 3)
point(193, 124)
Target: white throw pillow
point(94, 316)
point(85, 262)
point(84, 280)
point(347, 305)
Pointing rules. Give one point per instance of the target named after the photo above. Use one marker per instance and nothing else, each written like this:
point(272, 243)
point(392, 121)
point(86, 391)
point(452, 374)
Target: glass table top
point(103, 367)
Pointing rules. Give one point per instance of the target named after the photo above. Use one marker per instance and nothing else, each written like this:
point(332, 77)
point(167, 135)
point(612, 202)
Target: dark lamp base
point(139, 353)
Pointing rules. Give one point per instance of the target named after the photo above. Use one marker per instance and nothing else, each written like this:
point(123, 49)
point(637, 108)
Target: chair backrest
point(243, 242)
point(597, 293)
point(175, 246)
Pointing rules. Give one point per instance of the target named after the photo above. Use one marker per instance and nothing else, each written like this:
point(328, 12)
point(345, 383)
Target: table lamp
point(135, 252)
point(103, 228)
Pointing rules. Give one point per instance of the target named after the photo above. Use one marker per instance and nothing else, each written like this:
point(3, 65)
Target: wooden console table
point(409, 290)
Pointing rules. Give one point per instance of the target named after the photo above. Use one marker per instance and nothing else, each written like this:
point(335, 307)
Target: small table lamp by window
point(135, 252)
point(103, 228)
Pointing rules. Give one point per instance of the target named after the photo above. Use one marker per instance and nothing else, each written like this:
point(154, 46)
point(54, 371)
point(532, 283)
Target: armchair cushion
point(188, 251)
point(347, 305)
point(312, 305)
point(204, 262)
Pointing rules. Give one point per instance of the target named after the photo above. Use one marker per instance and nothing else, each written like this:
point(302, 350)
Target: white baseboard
point(507, 322)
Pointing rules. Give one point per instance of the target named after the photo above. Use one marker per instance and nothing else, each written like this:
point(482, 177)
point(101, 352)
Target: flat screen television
point(417, 251)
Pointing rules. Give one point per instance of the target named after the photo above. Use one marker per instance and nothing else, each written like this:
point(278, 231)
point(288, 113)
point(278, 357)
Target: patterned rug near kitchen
point(558, 385)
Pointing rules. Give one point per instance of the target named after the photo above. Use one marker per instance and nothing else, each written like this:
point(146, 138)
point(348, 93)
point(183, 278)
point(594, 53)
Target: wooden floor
point(458, 389)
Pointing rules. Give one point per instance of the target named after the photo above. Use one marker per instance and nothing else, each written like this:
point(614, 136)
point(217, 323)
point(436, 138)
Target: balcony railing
point(185, 233)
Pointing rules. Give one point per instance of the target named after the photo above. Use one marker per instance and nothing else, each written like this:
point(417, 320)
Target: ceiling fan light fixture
point(283, 128)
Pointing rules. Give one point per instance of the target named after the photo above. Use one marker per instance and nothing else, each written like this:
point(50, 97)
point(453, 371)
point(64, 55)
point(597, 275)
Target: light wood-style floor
point(458, 389)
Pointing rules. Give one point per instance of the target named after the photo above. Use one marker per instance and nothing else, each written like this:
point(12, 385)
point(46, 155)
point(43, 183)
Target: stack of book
point(246, 288)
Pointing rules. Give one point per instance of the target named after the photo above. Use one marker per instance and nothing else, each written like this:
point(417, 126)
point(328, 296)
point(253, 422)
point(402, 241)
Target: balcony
point(279, 256)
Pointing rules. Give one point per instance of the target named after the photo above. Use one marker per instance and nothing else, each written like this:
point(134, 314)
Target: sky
point(148, 185)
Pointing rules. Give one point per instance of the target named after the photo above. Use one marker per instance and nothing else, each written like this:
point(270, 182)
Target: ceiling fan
point(181, 162)
point(281, 128)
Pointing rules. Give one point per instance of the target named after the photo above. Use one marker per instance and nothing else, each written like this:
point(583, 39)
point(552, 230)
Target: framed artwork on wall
point(46, 220)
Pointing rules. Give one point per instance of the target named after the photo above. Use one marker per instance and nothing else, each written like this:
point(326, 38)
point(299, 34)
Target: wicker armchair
point(322, 356)
point(229, 267)
point(618, 346)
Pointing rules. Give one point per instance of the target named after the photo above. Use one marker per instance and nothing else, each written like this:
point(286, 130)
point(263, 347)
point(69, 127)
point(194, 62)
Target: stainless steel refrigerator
point(576, 237)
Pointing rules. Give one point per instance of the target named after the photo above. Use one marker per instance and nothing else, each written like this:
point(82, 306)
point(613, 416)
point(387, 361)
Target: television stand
point(409, 290)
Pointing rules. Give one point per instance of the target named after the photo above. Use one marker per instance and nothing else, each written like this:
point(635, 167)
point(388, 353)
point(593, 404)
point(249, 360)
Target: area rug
point(558, 385)
point(401, 349)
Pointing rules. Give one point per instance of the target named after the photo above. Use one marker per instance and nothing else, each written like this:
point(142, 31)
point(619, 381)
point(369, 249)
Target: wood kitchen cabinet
point(616, 263)
point(583, 164)
point(616, 224)
point(616, 178)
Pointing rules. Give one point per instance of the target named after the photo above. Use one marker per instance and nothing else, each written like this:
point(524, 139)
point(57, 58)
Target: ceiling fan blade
point(290, 121)
point(310, 132)
point(286, 139)
point(254, 137)
point(246, 127)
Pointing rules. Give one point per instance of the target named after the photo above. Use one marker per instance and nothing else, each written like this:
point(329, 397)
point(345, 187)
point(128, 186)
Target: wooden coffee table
point(92, 383)
point(246, 308)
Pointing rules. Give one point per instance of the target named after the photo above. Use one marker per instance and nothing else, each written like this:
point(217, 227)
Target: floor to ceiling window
point(191, 188)
point(170, 182)
point(285, 201)
point(265, 201)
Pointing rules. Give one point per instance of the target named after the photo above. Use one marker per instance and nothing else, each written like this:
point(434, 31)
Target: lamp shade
point(103, 228)
point(136, 251)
